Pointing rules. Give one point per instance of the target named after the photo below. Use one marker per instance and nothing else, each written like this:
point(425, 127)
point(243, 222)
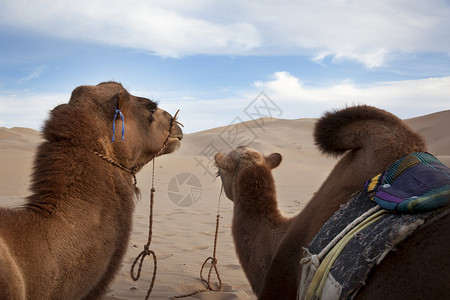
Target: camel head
point(106, 118)
point(243, 157)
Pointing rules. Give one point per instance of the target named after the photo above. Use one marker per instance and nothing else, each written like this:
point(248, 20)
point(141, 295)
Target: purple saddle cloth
point(418, 182)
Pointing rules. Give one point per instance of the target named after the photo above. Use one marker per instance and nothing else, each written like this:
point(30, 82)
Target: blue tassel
point(118, 111)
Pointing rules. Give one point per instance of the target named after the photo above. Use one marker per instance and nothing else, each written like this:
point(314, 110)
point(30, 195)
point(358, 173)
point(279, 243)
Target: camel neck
point(132, 171)
point(61, 173)
point(255, 191)
point(257, 225)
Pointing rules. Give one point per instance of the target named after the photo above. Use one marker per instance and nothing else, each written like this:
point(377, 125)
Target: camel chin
point(173, 144)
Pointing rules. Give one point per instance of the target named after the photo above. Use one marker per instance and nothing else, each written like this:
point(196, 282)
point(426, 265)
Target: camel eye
point(151, 108)
point(149, 105)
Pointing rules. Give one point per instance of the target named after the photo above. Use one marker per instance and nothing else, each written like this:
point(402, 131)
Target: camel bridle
point(135, 169)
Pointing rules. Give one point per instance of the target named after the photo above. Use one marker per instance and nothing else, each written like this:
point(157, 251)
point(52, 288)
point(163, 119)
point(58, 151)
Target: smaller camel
point(269, 246)
point(68, 240)
point(258, 225)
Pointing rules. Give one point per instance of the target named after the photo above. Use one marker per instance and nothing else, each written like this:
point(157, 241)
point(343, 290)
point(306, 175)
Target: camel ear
point(117, 108)
point(273, 160)
point(119, 100)
point(224, 162)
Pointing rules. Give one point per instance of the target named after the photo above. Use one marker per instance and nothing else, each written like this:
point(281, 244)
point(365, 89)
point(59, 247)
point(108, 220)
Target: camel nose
point(176, 130)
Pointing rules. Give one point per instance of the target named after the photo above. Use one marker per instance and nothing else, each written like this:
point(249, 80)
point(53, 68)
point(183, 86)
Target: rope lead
point(147, 250)
point(213, 260)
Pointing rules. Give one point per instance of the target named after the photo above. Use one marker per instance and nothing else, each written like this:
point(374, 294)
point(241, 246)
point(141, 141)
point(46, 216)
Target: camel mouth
point(173, 142)
point(175, 139)
point(176, 133)
point(176, 136)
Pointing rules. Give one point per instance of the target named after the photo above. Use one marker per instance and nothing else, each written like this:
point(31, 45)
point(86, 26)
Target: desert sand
point(187, 198)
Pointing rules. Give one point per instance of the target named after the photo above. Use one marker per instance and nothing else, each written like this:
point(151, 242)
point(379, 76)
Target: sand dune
point(187, 196)
point(435, 129)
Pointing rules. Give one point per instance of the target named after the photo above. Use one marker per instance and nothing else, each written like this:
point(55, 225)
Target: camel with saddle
point(273, 249)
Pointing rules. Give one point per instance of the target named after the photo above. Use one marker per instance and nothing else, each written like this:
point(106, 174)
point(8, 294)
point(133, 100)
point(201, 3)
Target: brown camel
point(371, 140)
point(258, 226)
point(68, 240)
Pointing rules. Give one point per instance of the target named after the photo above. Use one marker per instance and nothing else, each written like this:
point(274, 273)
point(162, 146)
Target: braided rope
point(213, 263)
point(213, 266)
point(119, 165)
point(133, 172)
point(147, 250)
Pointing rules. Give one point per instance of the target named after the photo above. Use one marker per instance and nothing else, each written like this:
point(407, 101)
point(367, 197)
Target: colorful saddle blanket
point(417, 183)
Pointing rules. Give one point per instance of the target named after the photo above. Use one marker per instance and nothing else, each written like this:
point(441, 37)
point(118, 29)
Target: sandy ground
point(187, 198)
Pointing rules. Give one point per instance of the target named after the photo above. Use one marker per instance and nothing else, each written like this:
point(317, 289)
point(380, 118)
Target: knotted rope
point(318, 271)
point(119, 165)
point(147, 250)
point(213, 260)
point(133, 172)
point(118, 111)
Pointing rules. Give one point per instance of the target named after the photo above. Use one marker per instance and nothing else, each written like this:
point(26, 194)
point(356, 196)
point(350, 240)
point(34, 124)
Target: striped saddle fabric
point(365, 249)
point(411, 193)
point(418, 182)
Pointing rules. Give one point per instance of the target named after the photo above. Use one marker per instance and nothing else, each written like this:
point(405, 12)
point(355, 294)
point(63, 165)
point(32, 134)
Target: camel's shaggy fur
point(371, 140)
point(69, 238)
point(257, 225)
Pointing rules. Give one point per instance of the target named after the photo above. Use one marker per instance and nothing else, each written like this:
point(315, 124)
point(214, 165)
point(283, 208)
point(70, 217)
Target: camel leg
point(12, 285)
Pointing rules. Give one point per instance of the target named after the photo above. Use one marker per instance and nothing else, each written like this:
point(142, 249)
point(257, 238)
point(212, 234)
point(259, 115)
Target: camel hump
point(363, 126)
point(12, 285)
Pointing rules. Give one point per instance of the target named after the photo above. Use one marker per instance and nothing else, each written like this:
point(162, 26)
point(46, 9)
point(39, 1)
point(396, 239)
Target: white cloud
point(34, 74)
point(407, 98)
point(371, 59)
point(200, 112)
point(370, 32)
point(133, 24)
point(23, 109)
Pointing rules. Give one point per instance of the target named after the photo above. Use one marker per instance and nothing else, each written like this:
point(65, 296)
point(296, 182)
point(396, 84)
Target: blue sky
point(211, 58)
